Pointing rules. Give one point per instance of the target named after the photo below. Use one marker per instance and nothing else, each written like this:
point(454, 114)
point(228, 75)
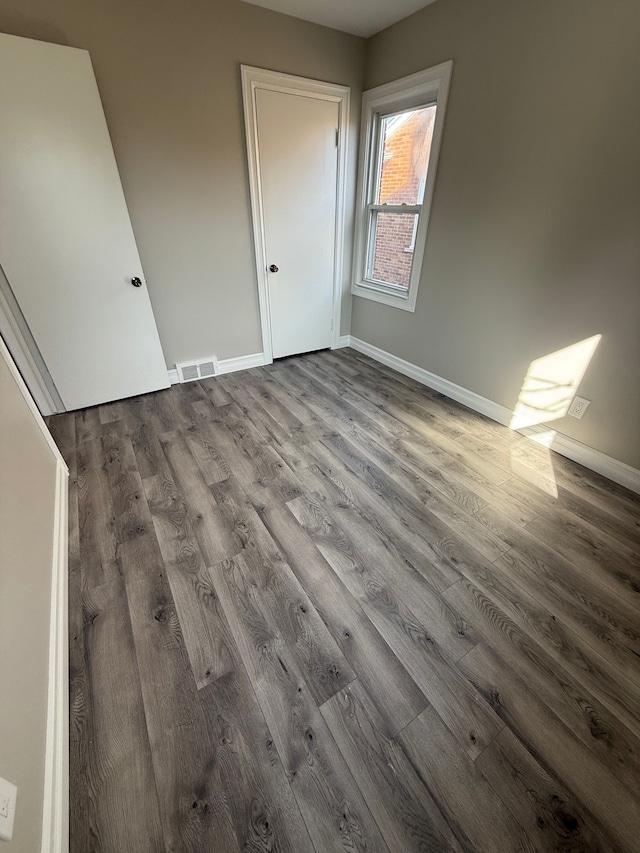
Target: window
point(402, 126)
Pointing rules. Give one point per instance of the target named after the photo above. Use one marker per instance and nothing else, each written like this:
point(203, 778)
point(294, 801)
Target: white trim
point(468, 398)
point(343, 341)
point(55, 815)
point(242, 362)
point(4, 352)
point(593, 459)
point(174, 376)
point(430, 86)
point(259, 78)
point(18, 346)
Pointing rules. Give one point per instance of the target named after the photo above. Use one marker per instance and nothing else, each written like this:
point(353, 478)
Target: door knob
point(136, 282)
point(273, 268)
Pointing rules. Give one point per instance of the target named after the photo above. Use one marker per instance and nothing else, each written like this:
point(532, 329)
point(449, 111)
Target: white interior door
point(298, 168)
point(66, 242)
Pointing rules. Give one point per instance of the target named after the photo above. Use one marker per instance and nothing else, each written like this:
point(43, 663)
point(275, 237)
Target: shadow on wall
point(548, 390)
point(30, 26)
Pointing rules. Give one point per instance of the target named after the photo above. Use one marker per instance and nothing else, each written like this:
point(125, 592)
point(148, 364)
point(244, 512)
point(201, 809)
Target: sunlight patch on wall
point(551, 384)
point(547, 392)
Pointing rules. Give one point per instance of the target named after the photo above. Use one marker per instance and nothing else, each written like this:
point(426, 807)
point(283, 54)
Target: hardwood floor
point(318, 607)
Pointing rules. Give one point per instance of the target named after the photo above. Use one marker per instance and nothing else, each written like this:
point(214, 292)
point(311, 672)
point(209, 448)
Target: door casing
point(259, 78)
point(17, 337)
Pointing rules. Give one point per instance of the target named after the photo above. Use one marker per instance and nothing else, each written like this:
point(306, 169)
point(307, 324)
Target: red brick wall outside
point(406, 157)
point(392, 259)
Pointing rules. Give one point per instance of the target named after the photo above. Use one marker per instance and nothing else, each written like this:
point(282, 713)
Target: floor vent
point(190, 370)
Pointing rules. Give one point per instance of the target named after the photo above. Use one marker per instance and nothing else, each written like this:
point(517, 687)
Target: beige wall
point(168, 72)
point(533, 243)
point(534, 240)
point(27, 496)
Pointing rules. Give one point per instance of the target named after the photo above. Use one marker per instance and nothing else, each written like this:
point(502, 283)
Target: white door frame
point(47, 399)
point(258, 78)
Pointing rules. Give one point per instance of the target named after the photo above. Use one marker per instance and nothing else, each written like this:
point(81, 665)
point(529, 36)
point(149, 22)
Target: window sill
point(404, 301)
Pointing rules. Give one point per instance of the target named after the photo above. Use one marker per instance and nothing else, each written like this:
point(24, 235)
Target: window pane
point(393, 239)
point(406, 144)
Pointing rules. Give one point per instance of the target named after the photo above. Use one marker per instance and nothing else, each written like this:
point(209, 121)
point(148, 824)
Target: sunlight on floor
point(547, 392)
point(534, 463)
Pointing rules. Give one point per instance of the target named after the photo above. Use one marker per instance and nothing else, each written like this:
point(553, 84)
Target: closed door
point(297, 150)
point(66, 242)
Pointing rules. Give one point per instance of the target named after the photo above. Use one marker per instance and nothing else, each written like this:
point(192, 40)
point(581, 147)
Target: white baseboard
point(343, 341)
point(615, 470)
point(55, 815)
point(468, 398)
point(228, 365)
point(242, 362)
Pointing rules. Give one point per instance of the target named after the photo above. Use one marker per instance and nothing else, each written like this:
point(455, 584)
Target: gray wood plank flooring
point(316, 606)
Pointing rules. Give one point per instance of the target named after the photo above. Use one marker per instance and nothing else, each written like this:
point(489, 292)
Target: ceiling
point(359, 17)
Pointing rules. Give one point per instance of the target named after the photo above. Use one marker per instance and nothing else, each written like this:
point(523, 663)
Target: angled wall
point(29, 506)
point(533, 239)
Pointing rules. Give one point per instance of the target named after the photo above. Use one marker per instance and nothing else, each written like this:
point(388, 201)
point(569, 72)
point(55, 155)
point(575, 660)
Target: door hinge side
point(337, 137)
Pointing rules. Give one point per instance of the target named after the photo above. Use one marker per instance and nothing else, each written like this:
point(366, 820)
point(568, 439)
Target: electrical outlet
point(578, 407)
point(8, 795)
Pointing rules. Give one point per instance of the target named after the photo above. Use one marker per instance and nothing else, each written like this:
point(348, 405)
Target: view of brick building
point(407, 144)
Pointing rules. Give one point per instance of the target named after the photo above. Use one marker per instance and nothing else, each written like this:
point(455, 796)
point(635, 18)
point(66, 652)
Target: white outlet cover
point(578, 407)
point(8, 796)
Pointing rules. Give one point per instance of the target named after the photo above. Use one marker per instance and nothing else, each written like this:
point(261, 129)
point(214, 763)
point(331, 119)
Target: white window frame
point(416, 90)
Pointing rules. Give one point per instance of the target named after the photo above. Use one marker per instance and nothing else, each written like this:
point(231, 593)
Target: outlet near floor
point(578, 407)
point(8, 794)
